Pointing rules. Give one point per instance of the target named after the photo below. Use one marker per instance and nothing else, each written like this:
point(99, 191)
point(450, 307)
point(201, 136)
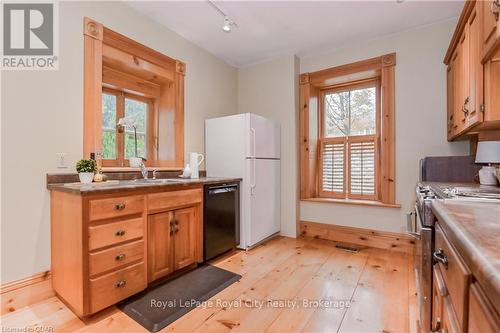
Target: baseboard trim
point(358, 236)
point(21, 293)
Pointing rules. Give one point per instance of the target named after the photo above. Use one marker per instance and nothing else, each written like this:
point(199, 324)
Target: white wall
point(270, 89)
point(42, 114)
point(420, 118)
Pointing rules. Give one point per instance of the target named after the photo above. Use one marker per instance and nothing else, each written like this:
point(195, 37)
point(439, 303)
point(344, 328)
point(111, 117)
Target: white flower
point(127, 122)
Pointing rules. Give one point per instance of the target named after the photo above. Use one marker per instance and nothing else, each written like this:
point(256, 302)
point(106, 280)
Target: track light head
point(227, 25)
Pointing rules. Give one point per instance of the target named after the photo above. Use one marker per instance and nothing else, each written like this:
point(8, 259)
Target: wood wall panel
point(357, 236)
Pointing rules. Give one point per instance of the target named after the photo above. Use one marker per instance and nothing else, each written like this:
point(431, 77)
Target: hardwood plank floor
point(324, 289)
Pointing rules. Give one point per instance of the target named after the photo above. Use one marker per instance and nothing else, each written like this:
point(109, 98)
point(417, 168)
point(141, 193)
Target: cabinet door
point(482, 315)
point(160, 245)
point(457, 89)
point(464, 84)
point(490, 23)
point(491, 88)
point(185, 237)
point(474, 100)
point(450, 89)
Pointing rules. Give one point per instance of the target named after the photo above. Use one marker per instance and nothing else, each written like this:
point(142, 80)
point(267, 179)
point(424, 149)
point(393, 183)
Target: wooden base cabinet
point(172, 241)
point(175, 237)
point(98, 249)
point(458, 303)
point(106, 247)
point(482, 316)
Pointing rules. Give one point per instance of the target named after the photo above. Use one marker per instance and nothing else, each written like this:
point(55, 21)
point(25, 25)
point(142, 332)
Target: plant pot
point(135, 162)
point(86, 177)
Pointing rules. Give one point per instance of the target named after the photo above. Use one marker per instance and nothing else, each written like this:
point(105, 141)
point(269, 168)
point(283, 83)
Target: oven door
point(422, 267)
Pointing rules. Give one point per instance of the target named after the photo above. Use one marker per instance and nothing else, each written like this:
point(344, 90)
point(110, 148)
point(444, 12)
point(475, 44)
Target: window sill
point(370, 203)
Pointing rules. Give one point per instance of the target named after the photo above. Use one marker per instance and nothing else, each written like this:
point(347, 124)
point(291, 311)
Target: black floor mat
point(158, 307)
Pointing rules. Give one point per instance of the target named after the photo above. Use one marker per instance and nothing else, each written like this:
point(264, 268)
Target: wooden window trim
point(148, 73)
point(311, 87)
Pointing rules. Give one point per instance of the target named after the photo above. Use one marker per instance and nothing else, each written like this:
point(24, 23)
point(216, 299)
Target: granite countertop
point(115, 186)
point(474, 230)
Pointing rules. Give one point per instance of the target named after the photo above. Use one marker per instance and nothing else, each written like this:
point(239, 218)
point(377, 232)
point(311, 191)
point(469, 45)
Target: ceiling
point(268, 29)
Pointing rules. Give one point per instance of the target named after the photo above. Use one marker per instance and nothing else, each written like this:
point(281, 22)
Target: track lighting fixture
point(226, 27)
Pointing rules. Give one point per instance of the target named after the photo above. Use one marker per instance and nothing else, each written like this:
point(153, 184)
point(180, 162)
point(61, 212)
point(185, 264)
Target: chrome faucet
point(154, 173)
point(144, 170)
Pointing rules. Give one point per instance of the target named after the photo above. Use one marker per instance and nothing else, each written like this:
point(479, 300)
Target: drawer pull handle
point(120, 206)
point(176, 223)
point(120, 233)
point(440, 257)
point(120, 284)
point(120, 257)
point(171, 228)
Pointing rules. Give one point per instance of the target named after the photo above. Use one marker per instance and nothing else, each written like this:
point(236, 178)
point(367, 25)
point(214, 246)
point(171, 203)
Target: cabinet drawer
point(450, 321)
point(173, 199)
point(116, 206)
point(114, 287)
point(439, 292)
point(456, 276)
point(482, 315)
point(114, 233)
point(115, 257)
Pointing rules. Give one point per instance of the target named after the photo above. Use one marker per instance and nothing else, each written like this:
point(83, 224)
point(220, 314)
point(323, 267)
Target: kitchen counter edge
point(128, 186)
point(485, 267)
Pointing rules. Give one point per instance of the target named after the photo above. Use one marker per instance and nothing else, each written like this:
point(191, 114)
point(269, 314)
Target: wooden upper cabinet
point(490, 27)
point(461, 80)
point(473, 72)
point(458, 91)
point(474, 98)
point(451, 101)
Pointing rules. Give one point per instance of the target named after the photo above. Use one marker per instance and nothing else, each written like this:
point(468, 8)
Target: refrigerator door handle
point(254, 178)
point(252, 130)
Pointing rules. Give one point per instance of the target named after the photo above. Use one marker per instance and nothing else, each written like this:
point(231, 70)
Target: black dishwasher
point(221, 218)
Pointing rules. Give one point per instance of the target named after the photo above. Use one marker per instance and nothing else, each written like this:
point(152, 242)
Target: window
point(346, 131)
point(348, 141)
point(118, 142)
point(125, 79)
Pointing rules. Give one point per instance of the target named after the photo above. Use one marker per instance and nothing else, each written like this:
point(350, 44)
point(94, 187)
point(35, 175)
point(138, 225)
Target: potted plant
point(136, 161)
point(86, 169)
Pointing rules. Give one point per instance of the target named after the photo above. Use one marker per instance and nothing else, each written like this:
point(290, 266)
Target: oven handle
point(411, 221)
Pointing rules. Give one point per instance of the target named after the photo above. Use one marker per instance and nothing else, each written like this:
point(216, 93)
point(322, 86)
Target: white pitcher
point(194, 163)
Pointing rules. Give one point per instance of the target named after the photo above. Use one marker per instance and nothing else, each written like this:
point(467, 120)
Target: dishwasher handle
point(222, 189)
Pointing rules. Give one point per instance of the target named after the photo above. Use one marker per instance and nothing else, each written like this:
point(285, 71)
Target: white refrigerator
point(247, 146)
